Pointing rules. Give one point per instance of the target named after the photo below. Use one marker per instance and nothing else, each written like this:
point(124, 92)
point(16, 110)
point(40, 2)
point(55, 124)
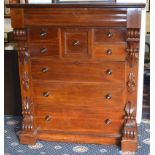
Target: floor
point(12, 146)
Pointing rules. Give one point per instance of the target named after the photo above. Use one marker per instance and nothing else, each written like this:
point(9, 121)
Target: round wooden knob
point(76, 43)
point(109, 72)
point(109, 52)
point(46, 94)
point(43, 34)
point(48, 118)
point(43, 50)
point(44, 70)
point(108, 96)
point(108, 121)
point(109, 34)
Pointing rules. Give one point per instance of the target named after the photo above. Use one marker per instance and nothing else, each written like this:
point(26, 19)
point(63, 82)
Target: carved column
point(129, 133)
point(28, 134)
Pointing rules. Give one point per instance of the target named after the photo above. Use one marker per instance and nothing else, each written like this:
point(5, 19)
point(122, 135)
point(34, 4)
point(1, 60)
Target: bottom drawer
point(107, 123)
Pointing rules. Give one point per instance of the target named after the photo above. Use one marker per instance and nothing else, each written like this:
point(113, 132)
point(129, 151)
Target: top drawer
point(76, 16)
point(43, 34)
point(109, 35)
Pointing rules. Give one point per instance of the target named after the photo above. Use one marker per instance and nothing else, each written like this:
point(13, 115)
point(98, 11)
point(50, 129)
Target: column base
point(28, 137)
point(129, 145)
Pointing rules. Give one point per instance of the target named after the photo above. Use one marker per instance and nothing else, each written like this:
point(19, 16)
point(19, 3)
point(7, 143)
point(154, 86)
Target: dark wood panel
point(79, 5)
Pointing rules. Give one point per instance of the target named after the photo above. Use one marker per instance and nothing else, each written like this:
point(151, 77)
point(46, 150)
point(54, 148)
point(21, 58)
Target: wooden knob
point(109, 72)
point(48, 118)
point(46, 94)
point(109, 52)
point(44, 70)
point(108, 96)
point(76, 62)
point(108, 121)
point(76, 43)
point(43, 34)
point(109, 34)
point(43, 50)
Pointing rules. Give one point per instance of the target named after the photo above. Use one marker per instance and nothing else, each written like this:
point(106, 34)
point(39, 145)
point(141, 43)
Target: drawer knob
point(46, 94)
point(109, 72)
point(108, 121)
point(76, 43)
point(108, 96)
point(109, 34)
point(44, 70)
point(43, 50)
point(43, 34)
point(109, 52)
point(48, 118)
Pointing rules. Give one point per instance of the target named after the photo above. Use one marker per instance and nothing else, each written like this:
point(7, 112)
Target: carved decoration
point(133, 35)
point(27, 124)
point(25, 81)
point(132, 56)
point(23, 55)
point(131, 85)
point(19, 34)
point(130, 126)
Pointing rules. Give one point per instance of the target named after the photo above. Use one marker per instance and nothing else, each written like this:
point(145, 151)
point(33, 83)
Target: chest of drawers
point(78, 71)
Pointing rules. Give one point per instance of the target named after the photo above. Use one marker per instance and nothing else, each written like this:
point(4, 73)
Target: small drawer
point(42, 50)
point(110, 51)
point(75, 43)
point(109, 35)
point(43, 34)
point(107, 123)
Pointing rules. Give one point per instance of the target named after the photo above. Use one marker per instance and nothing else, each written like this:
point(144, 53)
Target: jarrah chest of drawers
point(78, 71)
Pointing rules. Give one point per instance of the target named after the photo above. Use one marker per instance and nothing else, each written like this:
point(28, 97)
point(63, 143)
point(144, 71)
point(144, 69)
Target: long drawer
point(106, 123)
point(55, 69)
point(76, 96)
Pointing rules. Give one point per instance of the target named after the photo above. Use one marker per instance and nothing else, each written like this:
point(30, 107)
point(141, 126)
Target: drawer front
point(75, 43)
point(109, 35)
point(79, 71)
point(41, 50)
point(108, 123)
point(76, 16)
point(116, 52)
point(78, 95)
point(43, 34)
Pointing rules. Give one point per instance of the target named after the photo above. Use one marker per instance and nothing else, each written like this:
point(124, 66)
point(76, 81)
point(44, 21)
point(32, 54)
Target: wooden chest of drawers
point(78, 72)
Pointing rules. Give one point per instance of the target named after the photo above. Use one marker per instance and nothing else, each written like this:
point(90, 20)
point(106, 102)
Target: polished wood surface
point(78, 71)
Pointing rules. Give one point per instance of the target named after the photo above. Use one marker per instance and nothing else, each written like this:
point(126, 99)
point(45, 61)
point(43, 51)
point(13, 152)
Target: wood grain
point(78, 70)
